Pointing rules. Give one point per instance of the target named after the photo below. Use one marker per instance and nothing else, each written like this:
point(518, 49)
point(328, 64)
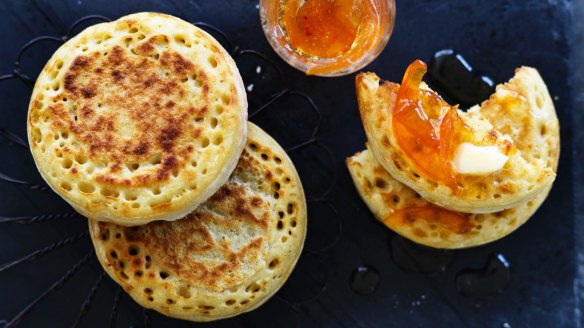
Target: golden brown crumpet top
point(229, 255)
point(137, 120)
point(520, 111)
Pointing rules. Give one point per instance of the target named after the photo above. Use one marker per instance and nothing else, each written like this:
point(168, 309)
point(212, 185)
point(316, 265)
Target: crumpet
point(404, 211)
point(138, 120)
point(522, 106)
point(229, 255)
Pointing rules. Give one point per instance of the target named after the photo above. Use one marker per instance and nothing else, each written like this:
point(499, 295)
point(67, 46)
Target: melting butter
point(478, 160)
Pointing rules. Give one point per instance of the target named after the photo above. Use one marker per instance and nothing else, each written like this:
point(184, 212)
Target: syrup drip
point(415, 258)
point(487, 281)
point(364, 280)
point(459, 81)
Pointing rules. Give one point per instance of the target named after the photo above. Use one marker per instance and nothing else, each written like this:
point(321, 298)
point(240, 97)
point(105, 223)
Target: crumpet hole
point(85, 187)
point(206, 307)
point(107, 192)
point(274, 264)
point(156, 159)
point(253, 287)
point(37, 136)
point(213, 61)
point(184, 291)
point(226, 99)
point(380, 183)
point(179, 39)
point(67, 163)
point(539, 102)
point(133, 166)
point(130, 196)
point(395, 199)
point(133, 251)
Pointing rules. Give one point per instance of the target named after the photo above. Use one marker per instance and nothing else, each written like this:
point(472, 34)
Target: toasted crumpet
point(520, 111)
point(137, 120)
point(384, 195)
point(229, 255)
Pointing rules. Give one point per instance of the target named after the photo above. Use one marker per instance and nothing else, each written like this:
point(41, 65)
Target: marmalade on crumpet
point(453, 221)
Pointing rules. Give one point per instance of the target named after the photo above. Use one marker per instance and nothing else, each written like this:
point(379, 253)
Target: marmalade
point(325, 28)
point(427, 128)
point(328, 37)
point(453, 221)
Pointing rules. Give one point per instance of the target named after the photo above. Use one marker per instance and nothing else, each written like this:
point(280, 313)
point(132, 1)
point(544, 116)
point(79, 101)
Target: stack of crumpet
point(141, 126)
point(446, 178)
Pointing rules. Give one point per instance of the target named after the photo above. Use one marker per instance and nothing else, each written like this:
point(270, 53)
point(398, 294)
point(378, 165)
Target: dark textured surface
point(494, 36)
point(577, 59)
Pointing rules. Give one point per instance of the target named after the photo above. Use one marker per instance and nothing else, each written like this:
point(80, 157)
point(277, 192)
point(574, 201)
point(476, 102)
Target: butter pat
point(478, 160)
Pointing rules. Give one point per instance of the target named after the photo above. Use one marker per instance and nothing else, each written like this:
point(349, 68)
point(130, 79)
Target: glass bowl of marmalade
point(328, 37)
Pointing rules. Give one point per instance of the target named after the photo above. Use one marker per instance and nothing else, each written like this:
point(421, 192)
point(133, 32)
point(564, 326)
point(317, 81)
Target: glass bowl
point(371, 37)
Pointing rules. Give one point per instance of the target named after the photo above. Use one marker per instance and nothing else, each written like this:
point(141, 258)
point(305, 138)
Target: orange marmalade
point(328, 37)
point(453, 221)
point(427, 129)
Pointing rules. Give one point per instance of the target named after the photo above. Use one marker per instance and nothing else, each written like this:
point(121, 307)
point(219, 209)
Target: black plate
point(351, 277)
